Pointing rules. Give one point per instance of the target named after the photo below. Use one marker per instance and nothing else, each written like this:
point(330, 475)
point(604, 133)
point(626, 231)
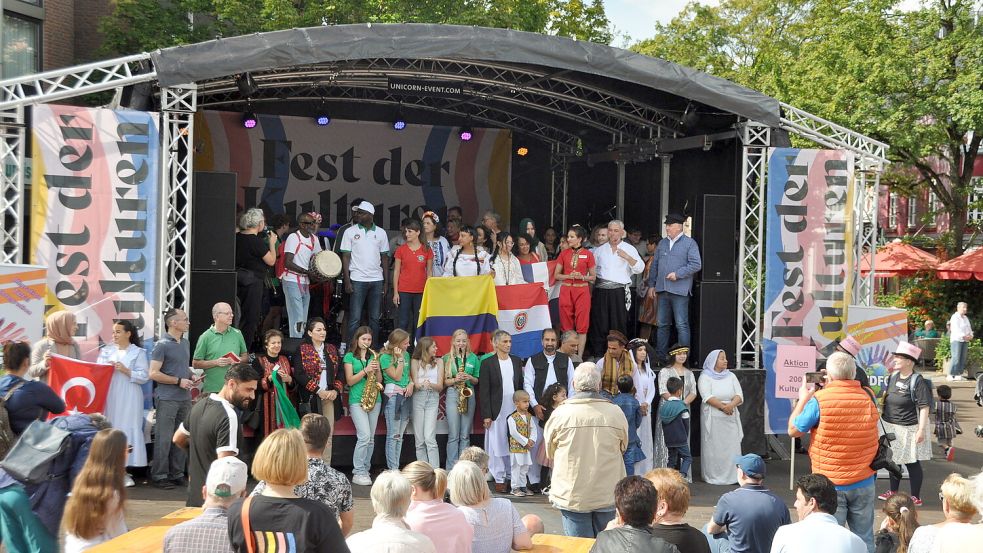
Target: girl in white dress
point(124, 403)
point(679, 354)
point(466, 259)
point(504, 263)
point(646, 390)
point(720, 420)
point(438, 244)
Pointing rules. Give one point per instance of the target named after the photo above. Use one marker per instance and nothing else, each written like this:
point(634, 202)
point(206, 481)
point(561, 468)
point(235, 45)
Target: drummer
point(413, 264)
point(297, 252)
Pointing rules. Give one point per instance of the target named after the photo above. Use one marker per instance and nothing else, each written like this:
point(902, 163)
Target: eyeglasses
point(306, 223)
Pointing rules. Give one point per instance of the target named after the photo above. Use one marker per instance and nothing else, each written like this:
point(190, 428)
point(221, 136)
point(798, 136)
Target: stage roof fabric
point(319, 45)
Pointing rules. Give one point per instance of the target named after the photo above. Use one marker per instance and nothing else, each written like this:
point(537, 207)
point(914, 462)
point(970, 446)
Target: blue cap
point(752, 465)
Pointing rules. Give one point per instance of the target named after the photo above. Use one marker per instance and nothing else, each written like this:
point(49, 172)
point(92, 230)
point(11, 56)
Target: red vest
point(845, 441)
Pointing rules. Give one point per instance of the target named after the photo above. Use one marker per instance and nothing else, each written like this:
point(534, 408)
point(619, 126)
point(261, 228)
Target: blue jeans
point(397, 412)
point(958, 357)
point(365, 293)
point(585, 525)
point(458, 426)
point(719, 543)
point(856, 508)
point(298, 300)
point(365, 425)
point(426, 403)
point(409, 313)
point(680, 459)
point(673, 309)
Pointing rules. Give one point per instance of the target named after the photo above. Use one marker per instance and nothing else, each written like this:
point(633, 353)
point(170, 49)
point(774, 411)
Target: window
point(19, 50)
point(892, 211)
point(912, 211)
point(975, 211)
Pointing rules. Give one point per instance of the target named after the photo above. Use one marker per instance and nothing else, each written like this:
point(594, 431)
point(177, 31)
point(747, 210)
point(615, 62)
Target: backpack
point(281, 264)
point(915, 380)
point(7, 438)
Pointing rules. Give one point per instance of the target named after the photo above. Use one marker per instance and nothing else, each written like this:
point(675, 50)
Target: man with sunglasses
point(297, 252)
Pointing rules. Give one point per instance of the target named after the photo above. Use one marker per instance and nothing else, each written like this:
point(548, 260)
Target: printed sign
point(879, 331)
point(791, 365)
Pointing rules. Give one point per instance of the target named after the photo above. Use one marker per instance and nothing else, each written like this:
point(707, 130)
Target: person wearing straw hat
point(907, 398)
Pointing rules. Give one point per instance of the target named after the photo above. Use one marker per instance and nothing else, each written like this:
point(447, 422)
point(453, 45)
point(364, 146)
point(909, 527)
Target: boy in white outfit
point(522, 436)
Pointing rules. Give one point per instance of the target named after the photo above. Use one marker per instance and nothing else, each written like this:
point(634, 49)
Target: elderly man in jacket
point(586, 437)
point(843, 418)
point(676, 261)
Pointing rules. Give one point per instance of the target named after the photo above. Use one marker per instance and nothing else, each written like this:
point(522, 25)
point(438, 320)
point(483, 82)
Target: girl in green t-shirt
point(460, 372)
point(395, 363)
point(361, 363)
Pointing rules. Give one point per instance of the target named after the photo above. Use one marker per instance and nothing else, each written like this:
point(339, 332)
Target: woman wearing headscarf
point(528, 227)
point(59, 329)
point(720, 420)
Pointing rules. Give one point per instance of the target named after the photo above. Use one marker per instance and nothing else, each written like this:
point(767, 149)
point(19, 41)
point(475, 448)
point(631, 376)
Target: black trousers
point(607, 312)
point(250, 292)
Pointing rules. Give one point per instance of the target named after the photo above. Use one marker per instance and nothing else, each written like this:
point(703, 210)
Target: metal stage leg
point(756, 138)
point(12, 144)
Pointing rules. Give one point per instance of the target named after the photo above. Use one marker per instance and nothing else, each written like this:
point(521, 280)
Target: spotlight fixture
point(249, 120)
point(466, 134)
point(399, 123)
point(522, 151)
point(323, 120)
point(247, 85)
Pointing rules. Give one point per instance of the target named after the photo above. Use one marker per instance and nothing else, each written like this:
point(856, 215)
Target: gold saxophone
point(463, 392)
point(370, 394)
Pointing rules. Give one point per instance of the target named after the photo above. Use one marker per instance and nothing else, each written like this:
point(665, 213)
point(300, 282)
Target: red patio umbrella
point(898, 259)
point(964, 267)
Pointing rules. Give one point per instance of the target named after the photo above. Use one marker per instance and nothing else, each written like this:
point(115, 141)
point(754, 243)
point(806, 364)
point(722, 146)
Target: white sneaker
point(128, 481)
point(959, 378)
point(361, 480)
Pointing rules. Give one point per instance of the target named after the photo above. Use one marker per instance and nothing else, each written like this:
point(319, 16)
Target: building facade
point(40, 35)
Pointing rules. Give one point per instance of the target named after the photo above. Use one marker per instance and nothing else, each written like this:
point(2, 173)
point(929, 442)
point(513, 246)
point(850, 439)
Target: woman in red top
point(575, 270)
point(414, 263)
point(318, 370)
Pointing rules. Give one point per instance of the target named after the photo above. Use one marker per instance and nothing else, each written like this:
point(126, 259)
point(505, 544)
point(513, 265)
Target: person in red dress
point(575, 270)
point(268, 363)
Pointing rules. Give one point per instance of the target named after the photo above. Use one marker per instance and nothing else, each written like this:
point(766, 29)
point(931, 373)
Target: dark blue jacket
point(31, 402)
point(674, 416)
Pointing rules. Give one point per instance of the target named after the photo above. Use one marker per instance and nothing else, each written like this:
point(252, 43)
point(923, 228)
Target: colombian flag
point(450, 303)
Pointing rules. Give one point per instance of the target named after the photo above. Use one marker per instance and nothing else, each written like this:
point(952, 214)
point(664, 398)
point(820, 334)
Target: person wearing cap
point(336, 248)
point(817, 530)
point(617, 361)
point(209, 531)
point(960, 334)
point(365, 260)
point(676, 262)
point(842, 417)
point(907, 397)
point(746, 519)
point(616, 262)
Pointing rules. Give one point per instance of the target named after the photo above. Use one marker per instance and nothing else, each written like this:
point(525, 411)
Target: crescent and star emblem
point(78, 381)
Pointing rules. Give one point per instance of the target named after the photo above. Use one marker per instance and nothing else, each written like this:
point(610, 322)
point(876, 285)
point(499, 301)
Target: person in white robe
point(720, 420)
point(124, 403)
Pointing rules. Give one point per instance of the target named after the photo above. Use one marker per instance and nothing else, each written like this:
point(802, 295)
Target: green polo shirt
point(386, 361)
point(213, 345)
point(355, 392)
point(471, 367)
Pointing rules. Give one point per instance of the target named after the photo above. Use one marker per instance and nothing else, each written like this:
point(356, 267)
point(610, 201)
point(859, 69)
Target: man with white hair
point(586, 437)
point(209, 531)
point(391, 494)
point(842, 417)
point(215, 344)
point(960, 335)
point(617, 261)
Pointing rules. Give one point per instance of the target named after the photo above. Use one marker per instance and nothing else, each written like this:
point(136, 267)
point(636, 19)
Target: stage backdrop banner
point(96, 190)
point(879, 331)
point(808, 259)
point(22, 289)
point(292, 165)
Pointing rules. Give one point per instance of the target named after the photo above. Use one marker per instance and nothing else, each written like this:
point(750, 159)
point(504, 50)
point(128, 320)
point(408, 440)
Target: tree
point(910, 79)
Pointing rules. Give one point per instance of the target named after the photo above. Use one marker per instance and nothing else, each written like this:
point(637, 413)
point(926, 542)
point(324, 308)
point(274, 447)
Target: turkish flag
point(84, 386)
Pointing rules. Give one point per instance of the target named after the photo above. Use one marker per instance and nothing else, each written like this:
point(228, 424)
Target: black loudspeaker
point(207, 289)
point(716, 320)
point(213, 224)
point(719, 238)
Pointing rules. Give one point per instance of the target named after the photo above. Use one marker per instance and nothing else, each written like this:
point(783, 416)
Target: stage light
point(399, 123)
point(323, 120)
point(247, 85)
point(249, 120)
point(466, 134)
point(522, 151)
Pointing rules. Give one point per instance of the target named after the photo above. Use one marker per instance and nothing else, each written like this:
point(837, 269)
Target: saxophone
point(463, 392)
point(370, 394)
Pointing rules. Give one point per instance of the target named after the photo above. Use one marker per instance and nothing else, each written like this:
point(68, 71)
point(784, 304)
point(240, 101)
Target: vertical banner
point(96, 186)
point(879, 331)
point(22, 289)
point(291, 165)
point(808, 259)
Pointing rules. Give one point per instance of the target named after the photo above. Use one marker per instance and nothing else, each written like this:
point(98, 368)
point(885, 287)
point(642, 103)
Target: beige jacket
point(586, 437)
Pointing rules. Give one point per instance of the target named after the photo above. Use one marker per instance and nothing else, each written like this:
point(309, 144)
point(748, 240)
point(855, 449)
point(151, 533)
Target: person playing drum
point(297, 252)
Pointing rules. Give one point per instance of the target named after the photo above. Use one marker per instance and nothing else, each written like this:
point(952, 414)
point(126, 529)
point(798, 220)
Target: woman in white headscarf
point(720, 420)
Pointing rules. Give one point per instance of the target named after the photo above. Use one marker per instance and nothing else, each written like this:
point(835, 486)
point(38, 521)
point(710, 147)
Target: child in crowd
point(946, 426)
point(555, 394)
point(898, 526)
point(633, 412)
point(522, 436)
point(675, 420)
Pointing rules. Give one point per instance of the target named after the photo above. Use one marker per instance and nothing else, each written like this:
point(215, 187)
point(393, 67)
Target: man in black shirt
point(212, 428)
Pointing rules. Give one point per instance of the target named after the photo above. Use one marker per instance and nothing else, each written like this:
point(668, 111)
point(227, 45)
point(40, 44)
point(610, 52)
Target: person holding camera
point(842, 417)
point(255, 252)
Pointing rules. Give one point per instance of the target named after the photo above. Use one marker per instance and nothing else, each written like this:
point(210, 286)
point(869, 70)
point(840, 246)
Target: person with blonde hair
point(59, 331)
point(394, 360)
point(94, 512)
point(477, 456)
point(899, 524)
point(670, 511)
point(391, 497)
point(957, 506)
point(460, 373)
point(443, 523)
point(491, 518)
point(278, 515)
point(427, 372)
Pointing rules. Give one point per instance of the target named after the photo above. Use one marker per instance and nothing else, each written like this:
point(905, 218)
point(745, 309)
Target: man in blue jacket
point(677, 260)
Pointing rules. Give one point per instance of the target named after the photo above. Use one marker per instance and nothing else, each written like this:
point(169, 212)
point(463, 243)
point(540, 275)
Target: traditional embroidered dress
point(522, 436)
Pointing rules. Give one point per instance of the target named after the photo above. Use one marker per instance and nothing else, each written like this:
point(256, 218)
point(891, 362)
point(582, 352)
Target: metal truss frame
point(76, 81)
point(12, 144)
point(559, 173)
point(756, 139)
point(866, 188)
point(871, 154)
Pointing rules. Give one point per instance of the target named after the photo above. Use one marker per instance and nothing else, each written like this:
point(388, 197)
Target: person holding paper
point(212, 353)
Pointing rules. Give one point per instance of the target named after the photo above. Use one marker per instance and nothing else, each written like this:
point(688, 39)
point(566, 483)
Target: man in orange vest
point(842, 418)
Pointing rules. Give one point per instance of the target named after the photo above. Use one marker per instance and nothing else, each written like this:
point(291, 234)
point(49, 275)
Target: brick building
point(39, 35)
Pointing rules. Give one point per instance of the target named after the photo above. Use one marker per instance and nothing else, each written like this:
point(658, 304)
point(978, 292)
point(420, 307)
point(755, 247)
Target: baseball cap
point(366, 206)
point(226, 477)
point(752, 465)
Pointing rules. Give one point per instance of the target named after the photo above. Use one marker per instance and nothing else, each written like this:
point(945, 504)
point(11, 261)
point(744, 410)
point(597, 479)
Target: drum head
point(328, 263)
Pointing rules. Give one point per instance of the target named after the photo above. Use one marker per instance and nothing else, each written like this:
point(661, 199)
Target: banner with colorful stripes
point(450, 303)
point(22, 289)
point(879, 331)
point(290, 165)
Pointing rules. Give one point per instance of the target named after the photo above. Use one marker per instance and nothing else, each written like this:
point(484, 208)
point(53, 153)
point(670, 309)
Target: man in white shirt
point(960, 334)
point(616, 261)
point(365, 249)
point(541, 370)
point(817, 529)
